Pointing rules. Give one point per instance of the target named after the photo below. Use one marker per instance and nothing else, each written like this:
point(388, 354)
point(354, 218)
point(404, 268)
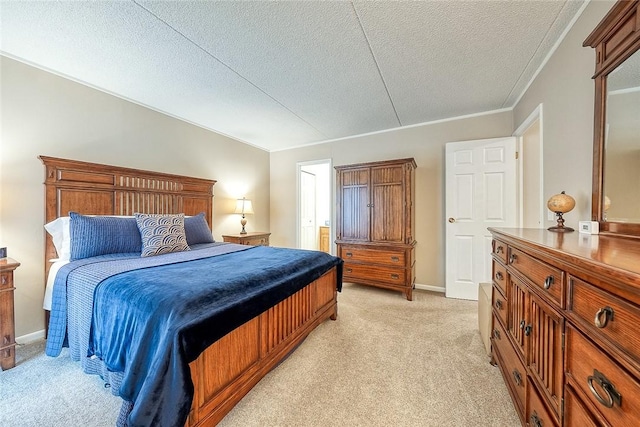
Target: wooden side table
point(254, 239)
point(7, 320)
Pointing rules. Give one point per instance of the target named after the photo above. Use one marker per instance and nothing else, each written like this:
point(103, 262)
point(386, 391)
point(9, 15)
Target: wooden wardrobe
point(376, 222)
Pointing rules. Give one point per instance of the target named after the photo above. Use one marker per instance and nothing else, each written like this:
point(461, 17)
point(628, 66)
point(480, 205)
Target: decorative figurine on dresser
point(376, 222)
point(566, 306)
point(7, 325)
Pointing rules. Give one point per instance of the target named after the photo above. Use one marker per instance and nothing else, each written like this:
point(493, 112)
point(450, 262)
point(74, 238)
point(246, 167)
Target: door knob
point(452, 220)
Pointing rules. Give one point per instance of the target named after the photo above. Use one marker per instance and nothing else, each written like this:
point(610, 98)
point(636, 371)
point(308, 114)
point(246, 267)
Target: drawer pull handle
point(522, 323)
point(517, 377)
point(612, 394)
point(349, 254)
point(535, 420)
point(527, 330)
point(4, 280)
point(499, 275)
point(395, 276)
point(512, 258)
point(6, 340)
point(499, 250)
point(349, 270)
point(395, 259)
point(499, 304)
point(548, 282)
point(603, 316)
point(496, 334)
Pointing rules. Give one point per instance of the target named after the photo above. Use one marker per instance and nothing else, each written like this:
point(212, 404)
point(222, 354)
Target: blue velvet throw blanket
point(150, 319)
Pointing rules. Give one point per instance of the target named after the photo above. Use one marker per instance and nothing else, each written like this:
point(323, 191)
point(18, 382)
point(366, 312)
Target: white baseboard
point(430, 288)
point(26, 339)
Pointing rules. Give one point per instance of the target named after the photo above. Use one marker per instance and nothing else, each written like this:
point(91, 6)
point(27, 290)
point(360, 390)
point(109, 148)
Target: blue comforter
point(150, 322)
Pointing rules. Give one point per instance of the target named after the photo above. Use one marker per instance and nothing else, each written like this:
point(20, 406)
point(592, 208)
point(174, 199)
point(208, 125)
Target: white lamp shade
point(243, 206)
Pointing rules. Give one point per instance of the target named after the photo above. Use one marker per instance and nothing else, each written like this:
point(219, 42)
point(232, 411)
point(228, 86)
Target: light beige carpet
point(384, 362)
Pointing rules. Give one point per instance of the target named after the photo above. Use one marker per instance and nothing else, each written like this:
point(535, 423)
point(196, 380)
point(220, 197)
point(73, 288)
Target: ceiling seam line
point(226, 66)
point(513, 88)
point(375, 61)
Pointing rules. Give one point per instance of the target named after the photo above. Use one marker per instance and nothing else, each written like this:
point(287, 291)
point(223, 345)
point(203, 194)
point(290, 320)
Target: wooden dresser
point(7, 325)
point(256, 238)
point(375, 223)
point(566, 326)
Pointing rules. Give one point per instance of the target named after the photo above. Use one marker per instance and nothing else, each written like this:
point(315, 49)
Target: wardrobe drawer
point(374, 273)
point(499, 306)
point(607, 315)
point(602, 381)
point(512, 368)
point(547, 278)
point(500, 276)
point(374, 256)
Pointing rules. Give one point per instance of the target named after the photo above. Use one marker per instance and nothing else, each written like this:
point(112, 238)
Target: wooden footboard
point(252, 350)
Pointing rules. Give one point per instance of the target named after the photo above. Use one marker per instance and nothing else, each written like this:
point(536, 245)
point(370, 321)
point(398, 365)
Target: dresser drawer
point(500, 277)
point(604, 314)
point(499, 306)
point(373, 256)
point(512, 368)
point(500, 250)
point(355, 271)
point(537, 413)
point(547, 278)
point(603, 382)
point(6, 280)
point(575, 414)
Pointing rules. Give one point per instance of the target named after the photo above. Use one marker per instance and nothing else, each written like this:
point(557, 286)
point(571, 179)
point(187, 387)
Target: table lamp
point(243, 206)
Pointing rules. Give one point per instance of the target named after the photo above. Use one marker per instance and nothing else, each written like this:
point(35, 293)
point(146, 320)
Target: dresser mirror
point(616, 164)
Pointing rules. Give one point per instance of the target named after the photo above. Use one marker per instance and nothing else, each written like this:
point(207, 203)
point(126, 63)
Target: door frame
point(536, 114)
point(331, 201)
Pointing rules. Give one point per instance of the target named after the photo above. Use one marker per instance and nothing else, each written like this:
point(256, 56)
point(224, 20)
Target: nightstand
point(7, 320)
point(255, 239)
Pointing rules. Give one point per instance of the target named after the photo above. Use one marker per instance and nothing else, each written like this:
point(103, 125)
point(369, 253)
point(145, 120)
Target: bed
point(230, 329)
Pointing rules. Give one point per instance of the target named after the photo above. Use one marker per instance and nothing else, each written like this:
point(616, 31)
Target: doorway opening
point(314, 228)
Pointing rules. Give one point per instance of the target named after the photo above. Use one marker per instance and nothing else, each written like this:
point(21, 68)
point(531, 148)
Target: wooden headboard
point(95, 189)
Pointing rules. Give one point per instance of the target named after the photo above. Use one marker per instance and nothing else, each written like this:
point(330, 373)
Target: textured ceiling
point(284, 74)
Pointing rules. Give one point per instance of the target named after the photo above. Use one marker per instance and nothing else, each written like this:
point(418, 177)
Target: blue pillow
point(197, 230)
point(100, 235)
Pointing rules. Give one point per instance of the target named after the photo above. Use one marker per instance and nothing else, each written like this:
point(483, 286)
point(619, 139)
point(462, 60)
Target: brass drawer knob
point(499, 249)
point(499, 304)
point(395, 276)
point(395, 259)
point(603, 316)
point(499, 276)
point(512, 258)
point(349, 270)
point(348, 254)
point(548, 282)
point(496, 334)
point(613, 396)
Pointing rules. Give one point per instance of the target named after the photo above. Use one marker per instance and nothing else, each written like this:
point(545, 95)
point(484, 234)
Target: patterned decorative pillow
point(100, 235)
point(197, 230)
point(161, 234)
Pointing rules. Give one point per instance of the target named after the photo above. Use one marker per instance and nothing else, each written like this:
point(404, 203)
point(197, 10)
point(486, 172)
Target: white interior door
point(308, 236)
point(481, 188)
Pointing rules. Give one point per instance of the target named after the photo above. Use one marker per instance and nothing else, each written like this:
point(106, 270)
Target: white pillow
point(59, 231)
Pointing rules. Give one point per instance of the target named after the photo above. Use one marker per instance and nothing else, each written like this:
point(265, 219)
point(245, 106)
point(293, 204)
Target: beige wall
point(424, 143)
point(53, 116)
point(566, 90)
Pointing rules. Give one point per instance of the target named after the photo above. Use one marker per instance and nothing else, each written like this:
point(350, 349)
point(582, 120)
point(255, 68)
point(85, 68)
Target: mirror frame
point(615, 39)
